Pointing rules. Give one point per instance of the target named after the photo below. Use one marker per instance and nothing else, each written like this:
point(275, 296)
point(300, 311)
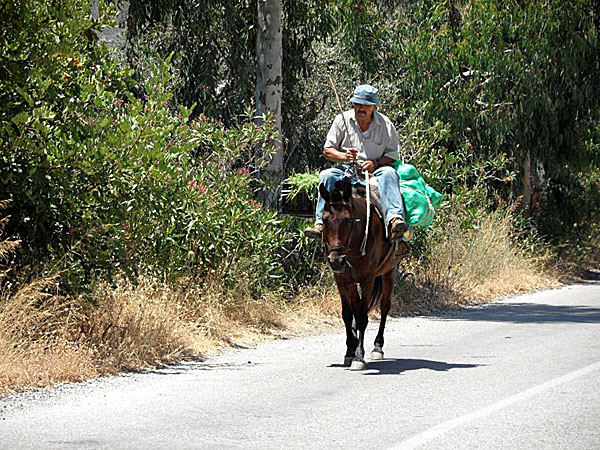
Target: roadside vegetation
point(132, 232)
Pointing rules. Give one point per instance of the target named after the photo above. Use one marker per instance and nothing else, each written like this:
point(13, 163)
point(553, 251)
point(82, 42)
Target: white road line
point(445, 427)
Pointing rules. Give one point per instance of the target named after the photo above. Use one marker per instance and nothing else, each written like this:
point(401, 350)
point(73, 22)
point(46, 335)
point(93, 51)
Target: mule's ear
point(324, 192)
point(346, 191)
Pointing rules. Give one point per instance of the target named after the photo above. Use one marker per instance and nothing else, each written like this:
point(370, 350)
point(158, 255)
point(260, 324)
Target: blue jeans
point(389, 191)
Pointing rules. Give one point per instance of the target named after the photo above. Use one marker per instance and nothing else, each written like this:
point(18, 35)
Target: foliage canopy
point(142, 164)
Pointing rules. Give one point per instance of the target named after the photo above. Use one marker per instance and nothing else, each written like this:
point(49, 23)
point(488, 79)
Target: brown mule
point(344, 220)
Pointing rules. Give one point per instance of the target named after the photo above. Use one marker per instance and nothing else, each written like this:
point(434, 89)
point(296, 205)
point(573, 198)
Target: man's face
point(363, 111)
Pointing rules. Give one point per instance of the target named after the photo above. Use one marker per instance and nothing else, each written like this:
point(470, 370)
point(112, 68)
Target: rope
point(363, 246)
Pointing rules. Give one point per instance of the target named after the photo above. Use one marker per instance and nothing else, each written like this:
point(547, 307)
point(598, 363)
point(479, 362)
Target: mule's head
point(338, 223)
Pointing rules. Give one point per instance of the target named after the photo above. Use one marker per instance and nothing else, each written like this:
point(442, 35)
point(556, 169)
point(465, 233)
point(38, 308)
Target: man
point(369, 138)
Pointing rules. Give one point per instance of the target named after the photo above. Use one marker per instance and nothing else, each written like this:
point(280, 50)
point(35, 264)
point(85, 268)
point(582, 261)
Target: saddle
point(376, 207)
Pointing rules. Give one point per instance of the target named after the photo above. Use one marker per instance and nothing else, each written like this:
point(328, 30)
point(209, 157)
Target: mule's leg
point(384, 306)
point(360, 309)
point(351, 337)
point(351, 340)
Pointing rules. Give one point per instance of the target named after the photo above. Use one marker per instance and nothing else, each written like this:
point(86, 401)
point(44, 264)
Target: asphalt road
point(521, 373)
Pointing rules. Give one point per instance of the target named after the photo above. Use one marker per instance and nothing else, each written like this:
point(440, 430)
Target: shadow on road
point(392, 366)
point(527, 313)
point(181, 368)
point(397, 366)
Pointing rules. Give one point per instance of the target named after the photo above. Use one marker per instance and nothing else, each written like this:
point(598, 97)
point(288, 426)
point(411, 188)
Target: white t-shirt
point(380, 139)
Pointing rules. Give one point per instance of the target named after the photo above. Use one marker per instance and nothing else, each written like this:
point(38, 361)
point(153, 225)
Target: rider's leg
point(328, 177)
point(391, 199)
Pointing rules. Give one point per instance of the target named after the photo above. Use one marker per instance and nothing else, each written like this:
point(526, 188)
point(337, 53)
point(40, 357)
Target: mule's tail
point(376, 294)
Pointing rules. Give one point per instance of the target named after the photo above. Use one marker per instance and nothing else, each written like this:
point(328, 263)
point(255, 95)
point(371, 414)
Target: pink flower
point(243, 171)
point(192, 184)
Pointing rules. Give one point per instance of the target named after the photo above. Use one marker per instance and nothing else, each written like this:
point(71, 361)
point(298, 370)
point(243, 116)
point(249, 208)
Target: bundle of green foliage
point(104, 182)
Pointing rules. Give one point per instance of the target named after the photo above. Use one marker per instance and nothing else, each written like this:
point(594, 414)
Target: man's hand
point(351, 154)
point(368, 166)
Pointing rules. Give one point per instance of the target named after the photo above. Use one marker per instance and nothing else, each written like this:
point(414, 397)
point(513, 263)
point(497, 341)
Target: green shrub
point(474, 92)
point(103, 182)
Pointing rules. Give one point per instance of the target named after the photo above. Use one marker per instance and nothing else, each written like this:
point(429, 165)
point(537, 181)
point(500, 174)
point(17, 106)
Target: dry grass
point(471, 266)
point(46, 338)
point(34, 349)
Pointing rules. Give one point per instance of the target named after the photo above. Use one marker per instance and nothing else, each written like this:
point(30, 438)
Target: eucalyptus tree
point(269, 55)
point(213, 48)
point(215, 43)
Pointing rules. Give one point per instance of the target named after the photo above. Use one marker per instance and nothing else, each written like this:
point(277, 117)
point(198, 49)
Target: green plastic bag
point(420, 199)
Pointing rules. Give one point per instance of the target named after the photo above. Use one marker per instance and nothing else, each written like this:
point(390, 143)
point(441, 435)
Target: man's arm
point(392, 146)
point(391, 152)
point(335, 138)
point(333, 154)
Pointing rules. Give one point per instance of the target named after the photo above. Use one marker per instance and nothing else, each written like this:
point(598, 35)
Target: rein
point(353, 220)
point(363, 245)
point(351, 172)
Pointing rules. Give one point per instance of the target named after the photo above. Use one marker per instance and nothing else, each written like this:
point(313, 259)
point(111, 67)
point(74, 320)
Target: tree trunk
point(534, 185)
point(113, 36)
point(527, 180)
point(455, 19)
point(269, 53)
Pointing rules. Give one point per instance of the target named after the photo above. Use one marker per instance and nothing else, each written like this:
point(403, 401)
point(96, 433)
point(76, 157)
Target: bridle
point(350, 172)
point(353, 220)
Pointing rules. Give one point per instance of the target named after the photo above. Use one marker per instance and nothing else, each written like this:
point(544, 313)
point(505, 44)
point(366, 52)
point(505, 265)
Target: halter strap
point(353, 219)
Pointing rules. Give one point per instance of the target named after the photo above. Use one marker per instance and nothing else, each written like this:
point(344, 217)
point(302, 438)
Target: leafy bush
point(102, 181)
point(475, 89)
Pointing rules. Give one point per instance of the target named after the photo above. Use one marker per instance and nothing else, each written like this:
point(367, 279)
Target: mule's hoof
point(376, 356)
point(348, 360)
point(358, 365)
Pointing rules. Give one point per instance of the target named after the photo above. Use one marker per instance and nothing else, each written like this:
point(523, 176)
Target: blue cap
point(365, 94)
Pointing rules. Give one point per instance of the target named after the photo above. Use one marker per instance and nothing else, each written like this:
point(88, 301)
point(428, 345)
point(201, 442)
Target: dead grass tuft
point(470, 266)
point(34, 351)
point(47, 339)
